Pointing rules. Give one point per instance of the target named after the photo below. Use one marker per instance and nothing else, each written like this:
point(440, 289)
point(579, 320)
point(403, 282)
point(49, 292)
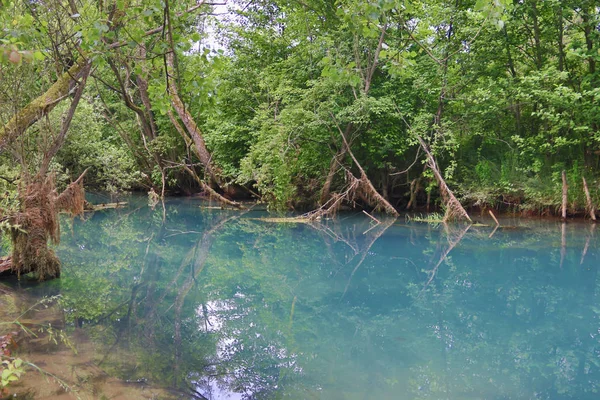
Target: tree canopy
point(309, 103)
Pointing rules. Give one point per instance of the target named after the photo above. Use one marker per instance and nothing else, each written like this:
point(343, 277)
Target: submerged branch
point(451, 245)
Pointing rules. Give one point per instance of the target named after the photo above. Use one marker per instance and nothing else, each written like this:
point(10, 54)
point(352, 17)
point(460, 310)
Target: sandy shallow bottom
point(68, 366)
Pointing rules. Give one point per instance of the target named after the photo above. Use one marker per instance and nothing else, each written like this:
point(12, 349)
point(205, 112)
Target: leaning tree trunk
point(339, 155)
point(42, 105)
point(454, 210)
point(205, 186)
point(336, 161)
point(36, 222)
point(184, 114)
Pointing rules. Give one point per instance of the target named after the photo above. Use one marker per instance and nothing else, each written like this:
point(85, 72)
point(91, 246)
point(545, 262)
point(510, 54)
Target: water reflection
point(223, 305)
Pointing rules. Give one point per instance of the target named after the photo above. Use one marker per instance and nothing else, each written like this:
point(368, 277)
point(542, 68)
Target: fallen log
point(104, 206)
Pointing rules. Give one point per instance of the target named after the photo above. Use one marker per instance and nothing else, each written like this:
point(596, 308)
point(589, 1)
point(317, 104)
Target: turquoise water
point(229, 306)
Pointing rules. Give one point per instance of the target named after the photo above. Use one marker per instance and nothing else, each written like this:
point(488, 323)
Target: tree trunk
point(560, 26)
point(188, 121)
point(336, 161)
point(211, 192)
point(415, 186)
point(41, 105)
point(196, 135)
point(539, 60)
point(453, 207)
point(66, 122)
point(588, 199)
point(588, 31)
point(142, 83)
point(565, 191)
point(368, 188)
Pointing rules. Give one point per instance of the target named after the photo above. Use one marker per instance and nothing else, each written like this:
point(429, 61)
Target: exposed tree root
point(361, 188)
point(37, 223)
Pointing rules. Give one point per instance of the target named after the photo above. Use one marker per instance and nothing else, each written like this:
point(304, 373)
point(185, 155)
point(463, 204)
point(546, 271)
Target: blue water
point(231, 306)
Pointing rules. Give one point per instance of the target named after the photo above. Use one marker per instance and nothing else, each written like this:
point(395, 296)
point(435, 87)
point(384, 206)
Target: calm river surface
point(228, 305)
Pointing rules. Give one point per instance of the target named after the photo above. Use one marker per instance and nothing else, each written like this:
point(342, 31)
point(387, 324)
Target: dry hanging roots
point(38, 223)
point(357, 188)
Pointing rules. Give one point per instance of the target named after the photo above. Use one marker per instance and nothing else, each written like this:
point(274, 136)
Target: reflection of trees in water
point(534, 336)
point(211, 304)
point(153, 308)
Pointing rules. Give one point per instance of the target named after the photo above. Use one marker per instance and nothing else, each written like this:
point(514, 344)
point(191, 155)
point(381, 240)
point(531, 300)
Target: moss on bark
point(33, 111)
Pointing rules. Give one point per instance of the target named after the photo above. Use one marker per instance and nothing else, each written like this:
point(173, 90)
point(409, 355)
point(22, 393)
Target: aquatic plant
point(432, 218)
point(12, 368)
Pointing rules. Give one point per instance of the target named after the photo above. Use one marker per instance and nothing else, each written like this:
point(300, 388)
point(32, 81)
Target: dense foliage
point(504, 93)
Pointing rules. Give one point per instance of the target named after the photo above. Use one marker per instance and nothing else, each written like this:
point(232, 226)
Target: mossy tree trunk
point(194, 132)
point(42, 105)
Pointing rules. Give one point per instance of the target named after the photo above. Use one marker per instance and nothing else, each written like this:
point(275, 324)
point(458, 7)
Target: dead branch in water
point(369, 191)
point(454, 210)
point(337, 237)
point(494, 218)
point(356, 188)
point(372, 217)
point(212, 193)
point(451, 245)
point(104, 206)
point(588, 200)
point(365, 251)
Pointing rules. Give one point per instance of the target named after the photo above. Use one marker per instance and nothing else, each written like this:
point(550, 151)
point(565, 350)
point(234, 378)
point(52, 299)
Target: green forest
point(305, 105)
point(239, 167)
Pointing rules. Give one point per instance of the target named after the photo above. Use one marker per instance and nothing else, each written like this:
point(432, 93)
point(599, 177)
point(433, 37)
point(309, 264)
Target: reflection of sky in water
point(403, 311)
point(214, 315)
point(210, 387)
